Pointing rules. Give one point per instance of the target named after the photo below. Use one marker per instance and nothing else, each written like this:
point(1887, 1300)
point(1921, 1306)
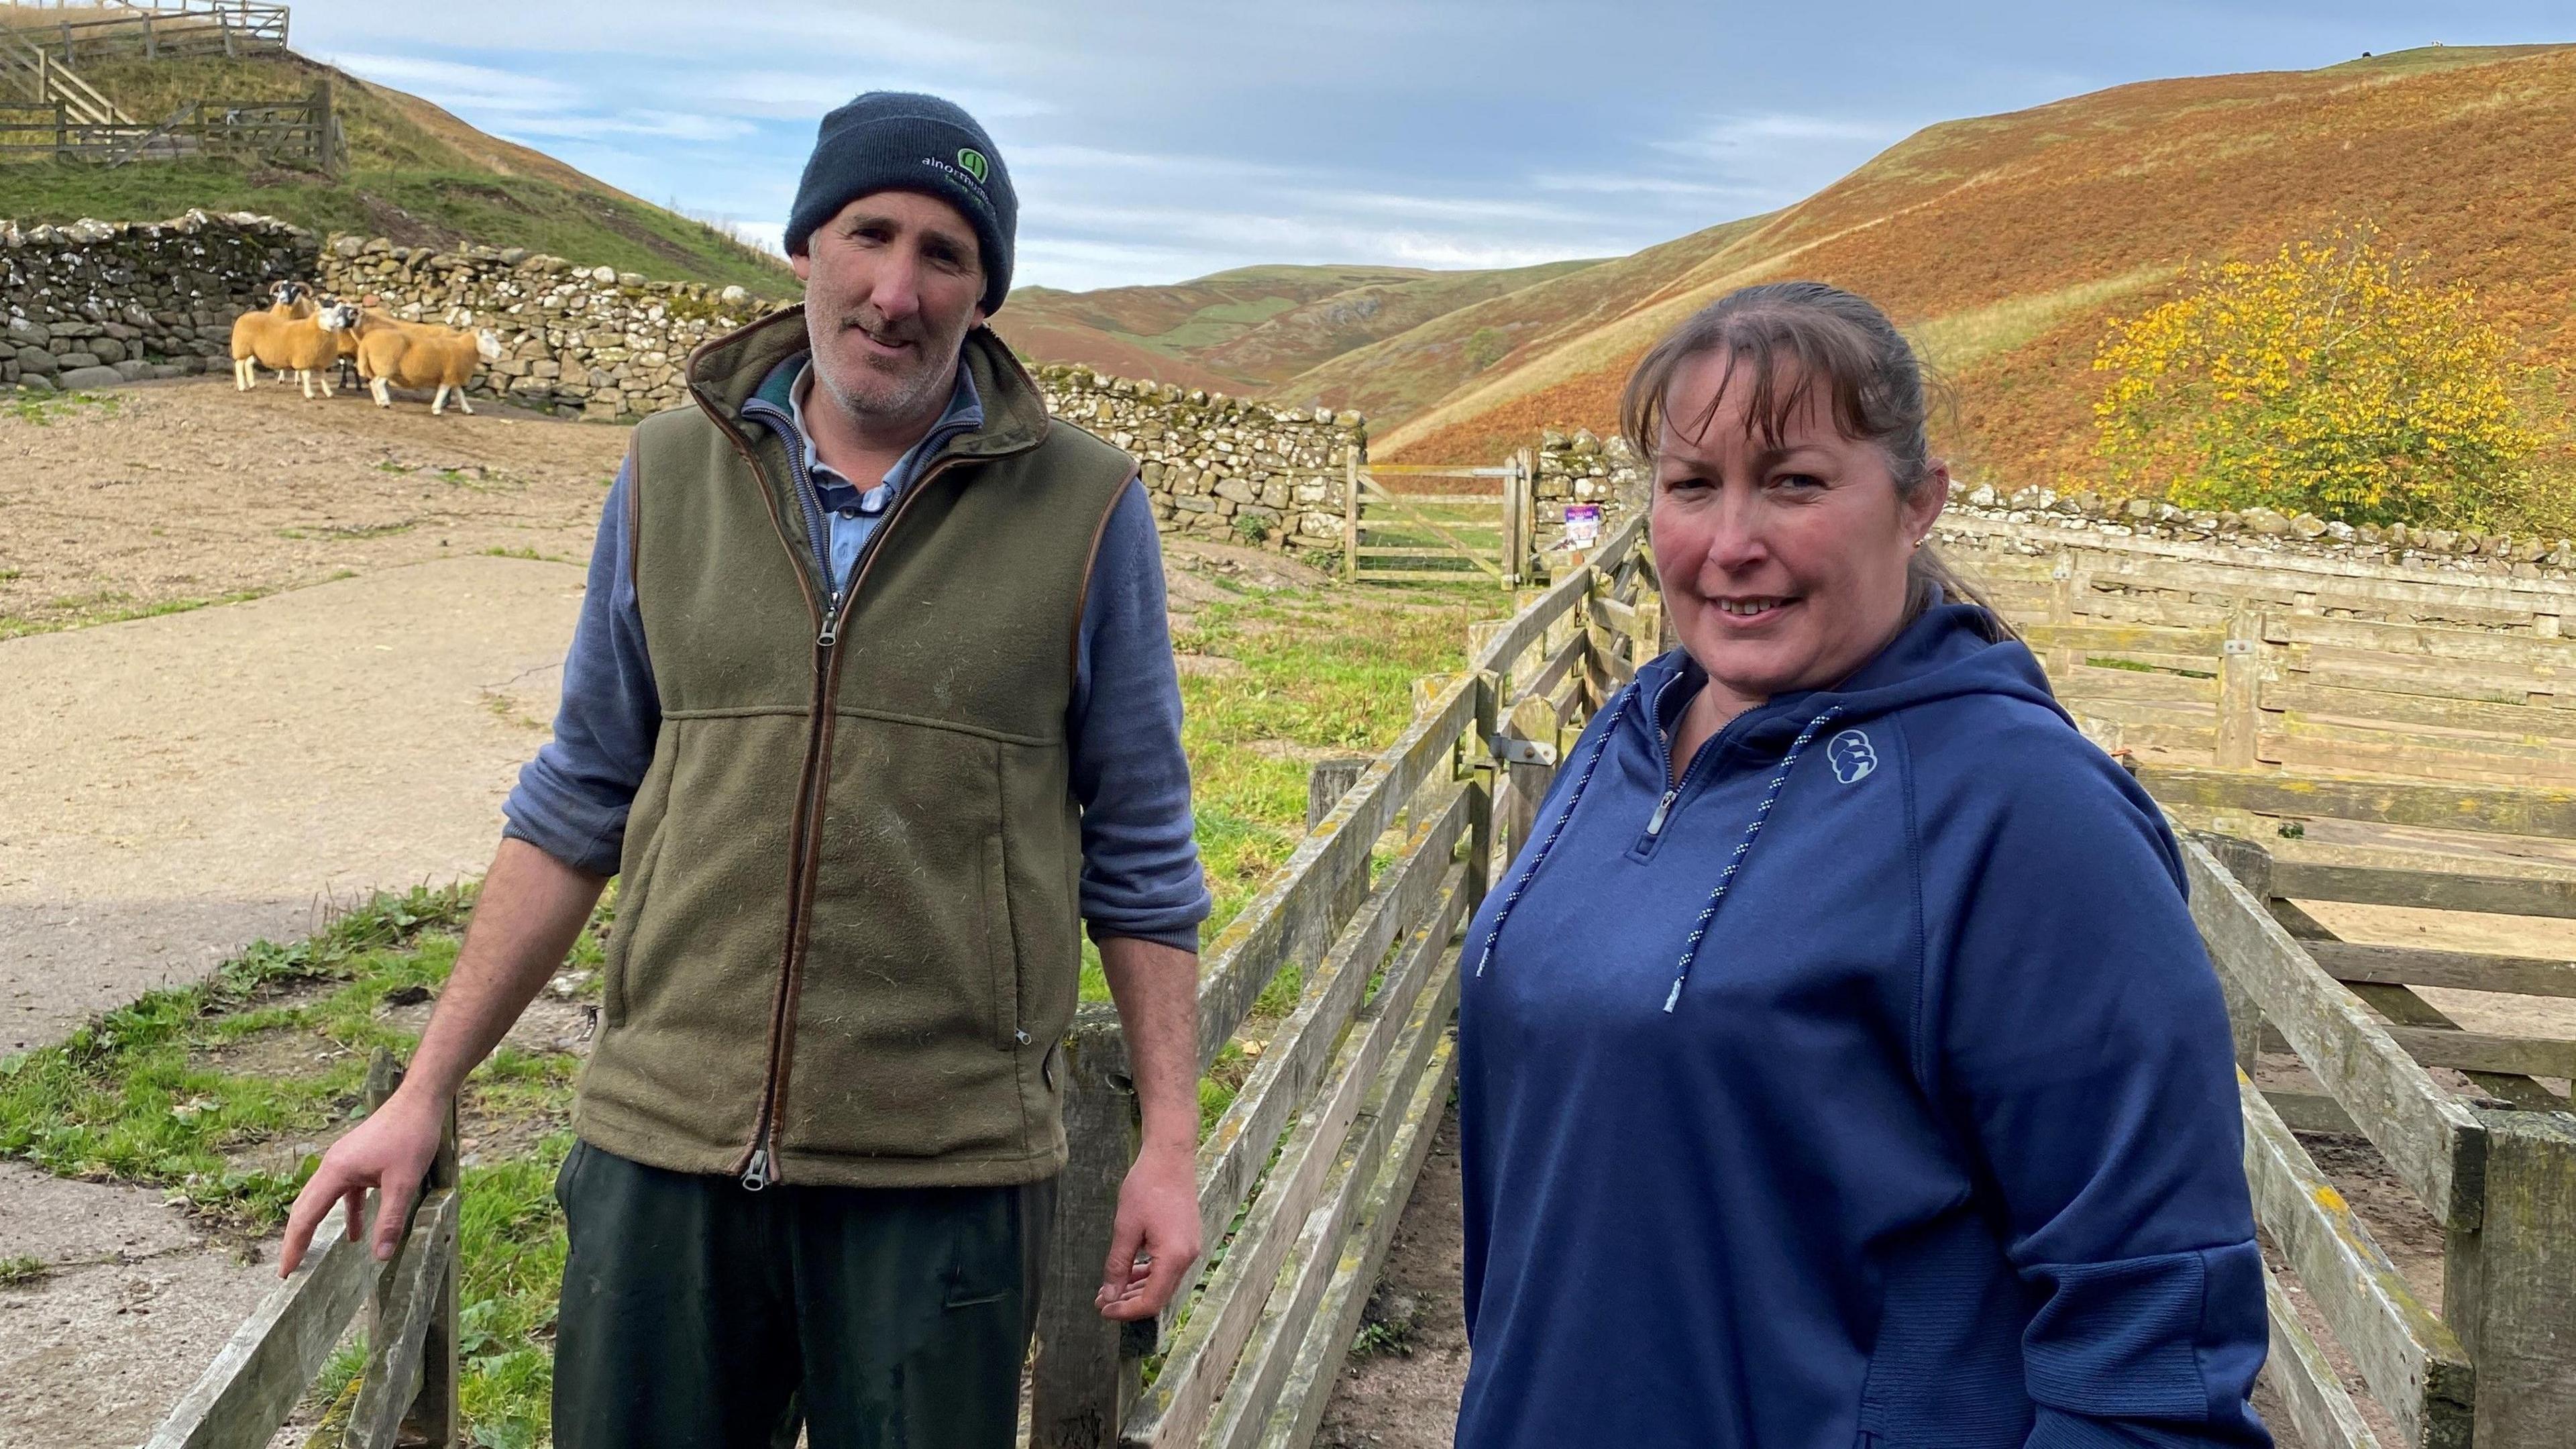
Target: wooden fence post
point(1485, 773)
point(1351, 513)
point(2505, 1289)
point(1524, 481)
point(2240, 687)
point(1084, 1382)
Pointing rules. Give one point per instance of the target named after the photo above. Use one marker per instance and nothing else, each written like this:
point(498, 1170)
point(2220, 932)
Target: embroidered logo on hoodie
point(1852, 757)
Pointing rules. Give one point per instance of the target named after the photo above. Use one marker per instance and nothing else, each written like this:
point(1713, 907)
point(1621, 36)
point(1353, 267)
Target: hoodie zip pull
point(1663, 807)
point(831, 623)
point(756, 1176)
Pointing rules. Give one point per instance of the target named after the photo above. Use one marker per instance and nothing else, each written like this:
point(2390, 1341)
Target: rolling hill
point(1247, 330)
point(2005, 243)
point(416, 174)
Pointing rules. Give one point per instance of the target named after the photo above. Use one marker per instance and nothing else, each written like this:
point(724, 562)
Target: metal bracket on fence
point(1513, 750)
point(2236, 646)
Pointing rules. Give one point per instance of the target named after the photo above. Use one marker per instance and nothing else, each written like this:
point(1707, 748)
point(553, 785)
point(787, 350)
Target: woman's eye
point(1798, 482)
point(1685, 484)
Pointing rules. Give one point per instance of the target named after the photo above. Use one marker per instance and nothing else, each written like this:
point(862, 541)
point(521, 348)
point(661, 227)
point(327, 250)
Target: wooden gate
point(1401, 524)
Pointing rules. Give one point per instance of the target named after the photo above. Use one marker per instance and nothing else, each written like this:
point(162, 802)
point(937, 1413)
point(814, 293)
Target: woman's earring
point(1918, 543)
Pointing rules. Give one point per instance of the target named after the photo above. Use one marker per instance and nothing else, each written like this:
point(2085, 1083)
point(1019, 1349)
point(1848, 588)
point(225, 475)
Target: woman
point(1841, 1067)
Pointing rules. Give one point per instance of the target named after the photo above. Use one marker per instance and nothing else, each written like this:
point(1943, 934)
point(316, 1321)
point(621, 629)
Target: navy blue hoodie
point(1870, 1088)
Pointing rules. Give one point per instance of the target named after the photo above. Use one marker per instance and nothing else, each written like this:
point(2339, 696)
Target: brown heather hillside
point(1248, 330)
point(2006, 242)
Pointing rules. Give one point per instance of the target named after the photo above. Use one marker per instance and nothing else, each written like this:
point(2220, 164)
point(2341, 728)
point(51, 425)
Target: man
point(871, 701)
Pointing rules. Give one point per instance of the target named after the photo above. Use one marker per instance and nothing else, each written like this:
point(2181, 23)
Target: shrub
point(2329, 379)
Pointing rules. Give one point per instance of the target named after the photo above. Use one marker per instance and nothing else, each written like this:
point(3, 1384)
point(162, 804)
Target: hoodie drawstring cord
point(1573, 797)
point(1770, 797)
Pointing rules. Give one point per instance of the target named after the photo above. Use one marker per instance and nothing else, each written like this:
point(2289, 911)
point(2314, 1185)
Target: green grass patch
point(20, 1271)
point(43, 409)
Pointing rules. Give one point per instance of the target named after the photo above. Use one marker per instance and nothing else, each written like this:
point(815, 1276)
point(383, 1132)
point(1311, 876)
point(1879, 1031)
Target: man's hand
point(1158, 1219)
point(529, 911)
point(389, 1152)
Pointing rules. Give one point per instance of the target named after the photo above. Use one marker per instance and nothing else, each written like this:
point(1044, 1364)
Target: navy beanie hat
point(898, 141)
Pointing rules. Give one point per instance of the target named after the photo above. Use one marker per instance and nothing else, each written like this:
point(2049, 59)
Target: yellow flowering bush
point(2327, 379)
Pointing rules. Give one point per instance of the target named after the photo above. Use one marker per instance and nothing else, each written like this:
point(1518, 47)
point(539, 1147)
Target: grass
point(43, 410)
point(21, 1271)
point(141, 1095)
point(177, 1089)
point(108, 607)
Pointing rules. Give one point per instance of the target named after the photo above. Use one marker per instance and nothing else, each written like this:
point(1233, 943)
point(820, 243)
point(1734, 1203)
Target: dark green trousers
point(698, 1314)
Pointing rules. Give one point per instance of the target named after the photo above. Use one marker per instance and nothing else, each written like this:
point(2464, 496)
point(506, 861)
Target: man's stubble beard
point(876, 395)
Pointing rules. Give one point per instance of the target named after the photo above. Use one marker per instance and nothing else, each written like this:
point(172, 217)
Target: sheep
point(308, 345)
point(255, 333)
point(409, 354)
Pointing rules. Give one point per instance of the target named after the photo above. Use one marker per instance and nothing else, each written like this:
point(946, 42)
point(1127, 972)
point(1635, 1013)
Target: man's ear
point(803, 262)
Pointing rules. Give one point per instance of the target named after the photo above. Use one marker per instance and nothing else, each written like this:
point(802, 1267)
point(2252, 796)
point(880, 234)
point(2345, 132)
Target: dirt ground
point(186, 491)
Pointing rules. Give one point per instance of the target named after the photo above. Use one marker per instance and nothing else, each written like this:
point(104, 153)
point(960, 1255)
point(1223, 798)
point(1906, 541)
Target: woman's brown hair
point(1784, 339)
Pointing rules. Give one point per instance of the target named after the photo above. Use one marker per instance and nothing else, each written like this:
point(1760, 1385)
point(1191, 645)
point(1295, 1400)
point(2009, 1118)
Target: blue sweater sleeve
point(1140, 858)
point(571, 800)
point(2080, 1044)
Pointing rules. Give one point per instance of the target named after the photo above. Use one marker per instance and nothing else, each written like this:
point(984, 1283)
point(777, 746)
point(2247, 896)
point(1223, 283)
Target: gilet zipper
point(760, 1162)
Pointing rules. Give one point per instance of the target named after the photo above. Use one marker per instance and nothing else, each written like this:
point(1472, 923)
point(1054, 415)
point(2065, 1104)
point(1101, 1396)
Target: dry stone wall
point(1219, 466)
point(588, 342)
point(96, 303)
point(2262, 530)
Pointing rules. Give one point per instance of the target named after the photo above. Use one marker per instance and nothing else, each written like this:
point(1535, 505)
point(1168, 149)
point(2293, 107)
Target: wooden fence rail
point(407, 1392)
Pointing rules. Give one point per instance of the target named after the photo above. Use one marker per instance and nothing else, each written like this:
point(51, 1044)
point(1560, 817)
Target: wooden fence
point(407, 1392)
point(1433, 535)
point(153, 29)
point(296, 133)
point(2484, 1357)
point(1303, 1178)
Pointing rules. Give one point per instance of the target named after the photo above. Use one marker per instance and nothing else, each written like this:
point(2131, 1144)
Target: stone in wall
point(1580, 467)
point(95, 303)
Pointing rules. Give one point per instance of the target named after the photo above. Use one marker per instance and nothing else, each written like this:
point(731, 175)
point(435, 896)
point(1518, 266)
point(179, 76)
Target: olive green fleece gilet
point(848, 928)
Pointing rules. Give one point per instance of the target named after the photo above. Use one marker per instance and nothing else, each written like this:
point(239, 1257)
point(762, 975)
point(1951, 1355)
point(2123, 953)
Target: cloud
point(659, 125)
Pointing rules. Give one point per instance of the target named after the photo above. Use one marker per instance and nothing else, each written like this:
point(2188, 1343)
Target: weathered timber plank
point(1617, 615)
point(2306, 698)
point(2403, 1007)
point(1554, 671)
point(2309, 1112)
point(2423, 641)
point(1239, 1143)
point(1289, 1312)
point(2397, 674)
point(2183, 567)
point(1534, 618)
point(2090, 682)
point(2500, 808)
point(1327, 1341)
point(1082, 1382)
point(2145, 639)
point(1609, 656)
point(238, 1402)
point(2506, 1285)
point(2114, 732)
point(1176, 1408)
point(1292, 918)
point(2313, 1394)
point(405, 1299)
point(2460, 970)
point(2503, 895)
point(2430, 1140)
point(2395, 750)
point(2412, 1361)
point(2529, 1056)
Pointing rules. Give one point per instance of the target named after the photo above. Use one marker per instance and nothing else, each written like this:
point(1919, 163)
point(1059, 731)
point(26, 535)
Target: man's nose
point(895, 288)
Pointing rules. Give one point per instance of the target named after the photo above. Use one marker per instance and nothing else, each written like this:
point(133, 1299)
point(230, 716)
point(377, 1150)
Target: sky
point(1151, 143)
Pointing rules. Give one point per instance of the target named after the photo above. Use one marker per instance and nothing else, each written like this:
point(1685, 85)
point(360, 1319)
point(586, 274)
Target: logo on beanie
point(972, 162)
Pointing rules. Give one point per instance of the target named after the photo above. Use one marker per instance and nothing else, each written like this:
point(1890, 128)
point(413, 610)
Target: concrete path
point(174, 788)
